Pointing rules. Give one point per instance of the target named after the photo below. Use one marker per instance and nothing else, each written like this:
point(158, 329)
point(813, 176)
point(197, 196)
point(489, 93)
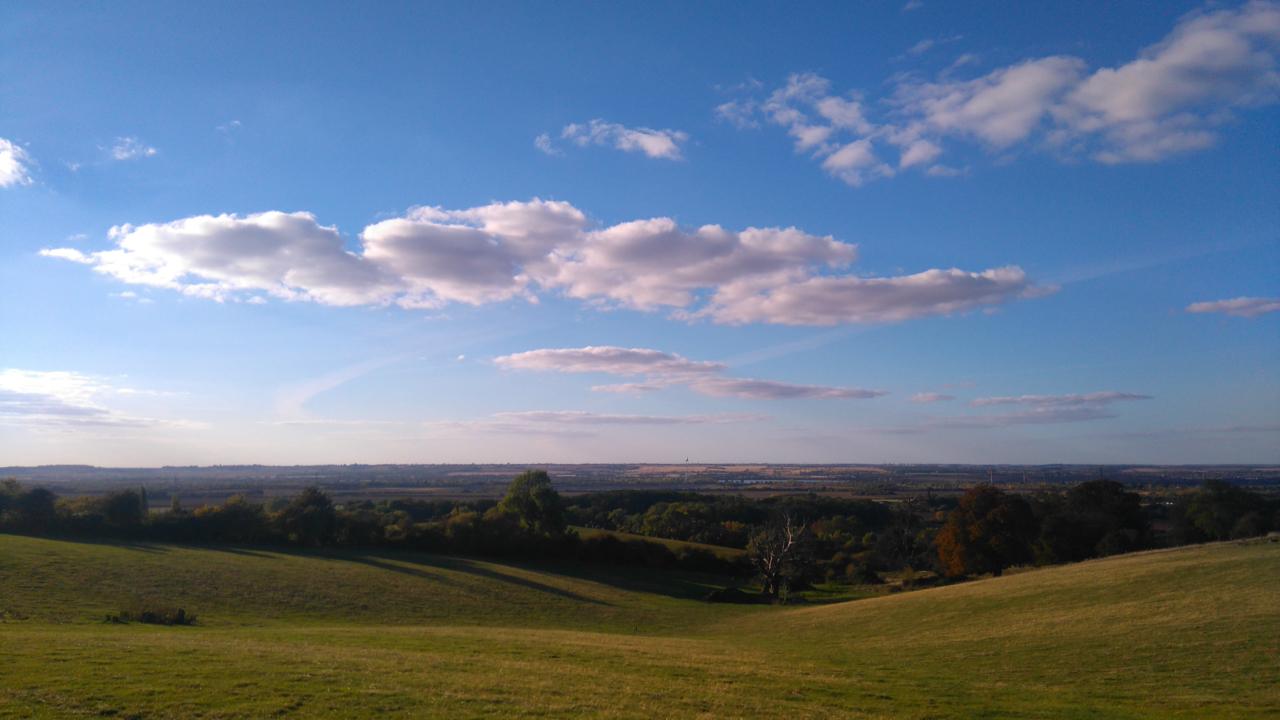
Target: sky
point(882, 232)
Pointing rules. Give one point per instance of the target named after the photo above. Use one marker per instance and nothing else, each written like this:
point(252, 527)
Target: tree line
point(790, 541)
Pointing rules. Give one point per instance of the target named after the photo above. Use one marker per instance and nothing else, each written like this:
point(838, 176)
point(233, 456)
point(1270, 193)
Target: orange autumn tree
point(987, 532)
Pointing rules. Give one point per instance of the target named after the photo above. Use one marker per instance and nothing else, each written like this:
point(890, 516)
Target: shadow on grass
point(266, 555)
point(468, 566)
point(135, 545)
point(383, 564)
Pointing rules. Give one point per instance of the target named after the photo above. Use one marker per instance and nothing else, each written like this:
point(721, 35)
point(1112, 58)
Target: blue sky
point(938, 232)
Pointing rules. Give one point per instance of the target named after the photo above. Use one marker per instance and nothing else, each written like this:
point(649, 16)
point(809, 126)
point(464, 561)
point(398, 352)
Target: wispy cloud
point(575, 423)
point(653, 143)
point(130, 148)
point(62, 399)
point(1246, 307)
point(931, 397)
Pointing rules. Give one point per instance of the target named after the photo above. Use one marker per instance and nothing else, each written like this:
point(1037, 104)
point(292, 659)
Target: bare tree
point(781, 555)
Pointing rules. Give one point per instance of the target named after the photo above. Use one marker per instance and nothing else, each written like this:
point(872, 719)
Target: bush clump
point(153, 616)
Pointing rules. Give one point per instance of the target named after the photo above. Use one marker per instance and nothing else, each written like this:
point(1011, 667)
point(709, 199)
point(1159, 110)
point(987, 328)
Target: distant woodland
point(777, 544)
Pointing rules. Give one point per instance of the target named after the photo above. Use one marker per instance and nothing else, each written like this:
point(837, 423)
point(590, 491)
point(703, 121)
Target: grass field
point(1187, 633)
point(728, 553)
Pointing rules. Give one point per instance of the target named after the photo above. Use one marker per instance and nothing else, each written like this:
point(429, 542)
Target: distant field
point(1187, 633)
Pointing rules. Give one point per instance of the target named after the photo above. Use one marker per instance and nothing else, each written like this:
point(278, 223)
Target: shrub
point(153, 615)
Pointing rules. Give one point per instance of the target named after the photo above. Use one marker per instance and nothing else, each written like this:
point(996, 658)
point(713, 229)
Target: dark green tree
point(33, 510)
point(1213, 512)
point(535, 504)
point(123, 509)
point(308, 519)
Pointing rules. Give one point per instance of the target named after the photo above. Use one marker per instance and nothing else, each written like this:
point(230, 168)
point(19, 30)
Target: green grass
point(1186, 633)
point(722, 551)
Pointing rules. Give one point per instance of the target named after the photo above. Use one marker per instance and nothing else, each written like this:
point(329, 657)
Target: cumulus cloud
point(662, 144)
point(661, 369)
point(1172, 98)
point(433, 256)
point(287, 255)
point(652, 263)
point(1000, 108)
point(15, 164)
point(59, 399)
point(130, 148)
point(1246, 307)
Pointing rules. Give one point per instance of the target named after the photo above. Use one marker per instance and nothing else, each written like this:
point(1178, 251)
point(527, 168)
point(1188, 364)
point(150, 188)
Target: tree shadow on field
point(679, 584)
point(135, 545)
point(383, 564)
point(470, 567)
point(236, 551)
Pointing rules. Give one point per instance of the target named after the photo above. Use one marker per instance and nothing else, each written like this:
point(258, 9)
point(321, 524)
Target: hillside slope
point(1185, 633)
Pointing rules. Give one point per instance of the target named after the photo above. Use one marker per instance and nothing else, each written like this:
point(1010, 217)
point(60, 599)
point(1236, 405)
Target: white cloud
point(59, 399)
point(931, 397)
point(1169, 99)
point(1000, 108)
point(15, 164)
point(432, 256)
point(130, 148)
point(920, 152)
point(661, 369)
point(739, 113)
point(663, 144)
point(1172, 98)
point(651, 263)
point(287, 255)
point(543, 143)
point(1238, 307)
point(69, 254)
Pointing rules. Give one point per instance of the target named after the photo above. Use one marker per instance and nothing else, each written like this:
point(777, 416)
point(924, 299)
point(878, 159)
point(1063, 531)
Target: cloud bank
point(431, 257)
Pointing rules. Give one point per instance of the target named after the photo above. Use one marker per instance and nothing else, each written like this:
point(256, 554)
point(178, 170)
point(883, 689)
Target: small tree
point(538, 507)
point(782, 556)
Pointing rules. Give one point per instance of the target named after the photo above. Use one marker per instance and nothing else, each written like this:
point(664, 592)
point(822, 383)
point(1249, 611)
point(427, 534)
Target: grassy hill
point(721, 551)
point(1184, 633)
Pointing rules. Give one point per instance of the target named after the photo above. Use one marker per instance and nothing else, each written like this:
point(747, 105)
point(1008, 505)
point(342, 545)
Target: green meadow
point(1191, 633)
